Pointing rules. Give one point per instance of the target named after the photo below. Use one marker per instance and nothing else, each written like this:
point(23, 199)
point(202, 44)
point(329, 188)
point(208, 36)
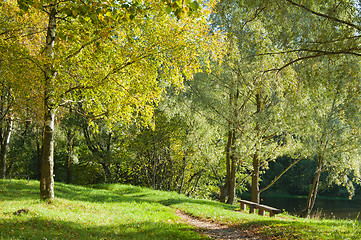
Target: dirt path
point(214, 230)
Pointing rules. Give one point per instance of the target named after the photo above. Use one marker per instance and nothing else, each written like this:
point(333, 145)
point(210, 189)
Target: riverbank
point(115, 211)
point(325, 207)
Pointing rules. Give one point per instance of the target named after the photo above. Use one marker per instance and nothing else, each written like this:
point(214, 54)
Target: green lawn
point(114, 211)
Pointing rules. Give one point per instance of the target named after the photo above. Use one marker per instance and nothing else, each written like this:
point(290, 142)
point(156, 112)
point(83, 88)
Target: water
point(328, 208)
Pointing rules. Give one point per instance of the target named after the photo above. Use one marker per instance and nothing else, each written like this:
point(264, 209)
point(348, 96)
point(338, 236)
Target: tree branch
point(279, 176)
point(80, 87)
point(24, 35)
point(319, 53)
point(81, 48)
point(325, 15)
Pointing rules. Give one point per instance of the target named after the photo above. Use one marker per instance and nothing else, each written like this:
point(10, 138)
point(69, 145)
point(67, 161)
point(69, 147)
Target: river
point(327, 208)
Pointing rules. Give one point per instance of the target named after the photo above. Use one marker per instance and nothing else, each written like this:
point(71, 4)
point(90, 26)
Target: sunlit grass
point(115, 211)
point(84, 213)
point(284, 226)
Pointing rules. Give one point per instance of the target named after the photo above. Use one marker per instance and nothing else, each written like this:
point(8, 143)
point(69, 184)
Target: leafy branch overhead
point(207, 98)
point(110, 59)
point(103, 11)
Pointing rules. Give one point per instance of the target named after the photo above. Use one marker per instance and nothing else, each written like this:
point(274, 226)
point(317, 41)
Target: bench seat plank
point(261, 208)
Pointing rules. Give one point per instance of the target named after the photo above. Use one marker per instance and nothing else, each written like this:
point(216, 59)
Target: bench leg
point(243, 207)
point(252, 210)
point(261, 212)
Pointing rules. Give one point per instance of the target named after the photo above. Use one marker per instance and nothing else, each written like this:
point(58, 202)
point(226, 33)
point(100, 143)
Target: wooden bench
point(261, 208)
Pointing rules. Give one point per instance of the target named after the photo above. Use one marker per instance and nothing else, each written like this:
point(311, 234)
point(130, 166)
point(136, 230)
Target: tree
point(6, 120)
point(102, 143)
point(310, 29)
point(250, 105)
point(330, 121)
point(6, 123)
point(341, 17)
point(17, 93)
point(201, 145)
point(319, 28)
point(71, 127)
point(158, 156)
point(323, 29)
point(108, 55)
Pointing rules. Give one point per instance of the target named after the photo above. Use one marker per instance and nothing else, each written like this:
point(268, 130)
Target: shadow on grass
point(21, 190)
point(176, 201)
point(70, 192)
point(38, 228)
point(125, 189)
point(155, 196)
point(18, 189)
point(34, 226)
point(128, 193)
point(29, 226)
point(297, 229)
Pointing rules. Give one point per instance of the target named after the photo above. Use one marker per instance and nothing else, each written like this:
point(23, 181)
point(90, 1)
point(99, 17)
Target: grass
point(115, 211)
point(84, 213)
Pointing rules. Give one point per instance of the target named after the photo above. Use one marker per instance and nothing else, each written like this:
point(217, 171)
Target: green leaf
point(194, 5)
point(23, 5)
point(93, 17)
point(83, 10)
point(68, 12)
point(168, 10)
point(177, 13)
point(61, 35)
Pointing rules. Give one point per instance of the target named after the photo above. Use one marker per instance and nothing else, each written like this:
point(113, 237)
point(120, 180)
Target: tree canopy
point(209, 98)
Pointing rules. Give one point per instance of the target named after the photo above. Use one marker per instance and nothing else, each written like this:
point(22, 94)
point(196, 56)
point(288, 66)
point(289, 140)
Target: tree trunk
point(108, 172)
point(196, 176)
point(47, 163)
point(255, 178)
point(39, 151)
point(3, 167)
point(180, 190)
point(4, 145)
point(6, 122)
point(232, 183)
point(199, 175)
point(314, 189)
point(256, 157)
point(231, 147)
point(233, 171)
point(225, 188)
point(69, 159)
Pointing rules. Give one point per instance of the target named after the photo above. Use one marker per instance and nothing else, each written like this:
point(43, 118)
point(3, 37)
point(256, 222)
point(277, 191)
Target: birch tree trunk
point(6, 124)
point(4, 145)
point(47, 163)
